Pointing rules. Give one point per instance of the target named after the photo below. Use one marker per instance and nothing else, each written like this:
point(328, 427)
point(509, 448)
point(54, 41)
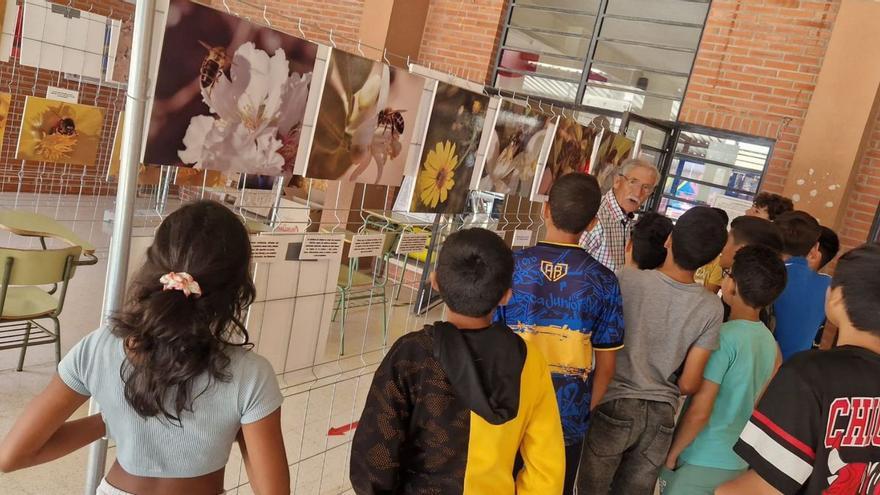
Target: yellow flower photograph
point(437, 179)
point(5, 100)
point(59, 132)
point(448, 157)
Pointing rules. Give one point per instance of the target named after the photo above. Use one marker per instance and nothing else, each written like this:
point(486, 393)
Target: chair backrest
point(37, 266)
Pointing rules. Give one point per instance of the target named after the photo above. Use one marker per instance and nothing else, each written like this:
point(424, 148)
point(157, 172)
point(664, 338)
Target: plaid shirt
point(607, 241)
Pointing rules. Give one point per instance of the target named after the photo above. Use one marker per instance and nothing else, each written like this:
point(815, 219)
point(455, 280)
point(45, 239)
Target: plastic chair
point(22, 301)
point(354, 285)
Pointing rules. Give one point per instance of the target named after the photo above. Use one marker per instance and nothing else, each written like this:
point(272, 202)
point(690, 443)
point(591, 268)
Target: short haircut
point(648, 239)
point(759, 274)
point(858, 276)
point(631, 164)
point(829, 245)
point(698, 237)
point(774, 204)
point(474, 271)
point(755, 231)
point(723, 214)
point(800, 232)
point(574, 201)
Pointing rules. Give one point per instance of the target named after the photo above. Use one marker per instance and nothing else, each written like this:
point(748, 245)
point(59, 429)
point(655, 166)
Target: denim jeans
point(626, 446)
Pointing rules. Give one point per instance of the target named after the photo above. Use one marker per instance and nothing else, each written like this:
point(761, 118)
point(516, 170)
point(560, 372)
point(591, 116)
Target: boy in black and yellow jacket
point(452, 405)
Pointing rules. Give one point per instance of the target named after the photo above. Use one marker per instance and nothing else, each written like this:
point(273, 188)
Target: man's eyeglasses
point(725, 272)
point(636, 183)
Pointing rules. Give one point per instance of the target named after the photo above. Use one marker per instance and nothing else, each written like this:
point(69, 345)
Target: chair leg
point(342, 306)
point(384, 318)
point(57, 341)
point(24, 346)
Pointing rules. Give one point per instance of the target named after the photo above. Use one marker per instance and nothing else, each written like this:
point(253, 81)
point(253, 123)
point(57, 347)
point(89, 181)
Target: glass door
point(656, 145)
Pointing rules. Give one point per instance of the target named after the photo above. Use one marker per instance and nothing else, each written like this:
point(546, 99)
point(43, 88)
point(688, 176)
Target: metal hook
point(226, 5)
point(552, 110)
point(331, 38)
point(360, 50)
point(528, 103)
point(91, 8)
point(299, 26)
point(266, 19)
point(407, 63)
point(385, 57)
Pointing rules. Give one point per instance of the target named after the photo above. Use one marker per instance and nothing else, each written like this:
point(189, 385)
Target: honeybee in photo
point(393, 120)
point(64, 126)
point(215, 64)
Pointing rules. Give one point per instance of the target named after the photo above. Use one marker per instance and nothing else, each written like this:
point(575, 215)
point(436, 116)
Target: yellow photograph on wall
point(59, 132)
point(5, 100)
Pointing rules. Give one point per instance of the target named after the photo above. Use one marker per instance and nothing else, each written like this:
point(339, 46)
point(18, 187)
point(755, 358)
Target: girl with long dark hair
point(172, 372)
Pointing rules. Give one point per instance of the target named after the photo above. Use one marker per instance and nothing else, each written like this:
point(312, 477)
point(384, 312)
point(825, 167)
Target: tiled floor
point(316, 399)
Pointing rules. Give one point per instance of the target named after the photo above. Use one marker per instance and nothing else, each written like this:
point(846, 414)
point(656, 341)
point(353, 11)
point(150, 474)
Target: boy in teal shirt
point(701, 457)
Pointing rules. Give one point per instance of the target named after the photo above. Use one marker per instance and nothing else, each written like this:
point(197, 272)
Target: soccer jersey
point(817, 429)
point(568, 305)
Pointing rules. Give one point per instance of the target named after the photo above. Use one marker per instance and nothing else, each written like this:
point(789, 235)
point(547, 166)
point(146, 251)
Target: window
point(617, 55)
point(708, 165)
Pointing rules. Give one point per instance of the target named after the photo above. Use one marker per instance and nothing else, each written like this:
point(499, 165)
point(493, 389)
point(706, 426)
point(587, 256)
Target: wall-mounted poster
point(230, 94)
point(454, 134)
point(614, 149)
point(365, 121)
point(570, 152)
point(59, 132)
point(512, 160)
point(148, 175)
point(5, 100)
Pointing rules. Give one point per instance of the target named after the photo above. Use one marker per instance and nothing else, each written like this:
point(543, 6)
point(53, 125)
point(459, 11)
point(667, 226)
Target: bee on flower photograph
point(365, 121)
point(512, 158)
point(230, 94)
point(571, 151)
point(60, 132)
point(450, 148)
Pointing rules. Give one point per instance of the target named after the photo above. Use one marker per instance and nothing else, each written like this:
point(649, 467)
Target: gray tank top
point(153, 447)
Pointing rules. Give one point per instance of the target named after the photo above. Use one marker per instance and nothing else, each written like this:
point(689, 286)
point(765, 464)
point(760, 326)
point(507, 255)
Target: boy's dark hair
point(474, 271)
point(648, 239)
point(858, 276)
point(759, 274)
point(829, 245)
point(774, 204)
point(173, 339)
point(698, 237)
point(723, 215)
point(800, 232)
point(574, 201)
point(755, 231)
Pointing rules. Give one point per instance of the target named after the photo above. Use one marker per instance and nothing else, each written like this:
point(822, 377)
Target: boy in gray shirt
point(672, 327)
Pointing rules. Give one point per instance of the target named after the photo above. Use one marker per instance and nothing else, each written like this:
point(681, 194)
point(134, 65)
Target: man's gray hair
point(633, 163)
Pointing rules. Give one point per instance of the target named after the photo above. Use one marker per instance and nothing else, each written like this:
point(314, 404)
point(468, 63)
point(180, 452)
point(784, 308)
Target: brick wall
point(461, 36)
point(48, 178)
point(864, 197)
point(756, 71)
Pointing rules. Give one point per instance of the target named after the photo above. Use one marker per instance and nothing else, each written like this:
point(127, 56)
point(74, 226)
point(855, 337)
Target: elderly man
point(633, 185)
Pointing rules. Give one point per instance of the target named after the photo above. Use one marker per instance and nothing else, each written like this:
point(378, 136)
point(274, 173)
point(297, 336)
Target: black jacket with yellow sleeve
point(449, 410)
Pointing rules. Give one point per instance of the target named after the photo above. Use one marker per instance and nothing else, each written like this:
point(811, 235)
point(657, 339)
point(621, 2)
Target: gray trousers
point(626, 446)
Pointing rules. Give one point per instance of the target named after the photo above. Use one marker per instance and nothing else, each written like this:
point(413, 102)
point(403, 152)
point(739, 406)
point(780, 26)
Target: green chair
point(23, 301)
point(365, 288)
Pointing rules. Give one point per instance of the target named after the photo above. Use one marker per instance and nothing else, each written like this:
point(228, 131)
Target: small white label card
point(267, 248)
point(61, 94)
point(521, 238)
point(366, 245)
point(322, 246)
point(412, 242)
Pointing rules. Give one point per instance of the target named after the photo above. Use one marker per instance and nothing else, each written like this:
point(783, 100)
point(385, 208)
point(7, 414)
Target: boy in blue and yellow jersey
point(453, 404)
point(569, 306)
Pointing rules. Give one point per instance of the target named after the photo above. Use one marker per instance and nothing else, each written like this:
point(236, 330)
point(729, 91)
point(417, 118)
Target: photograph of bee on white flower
point(512, 159)
point(230, 94)
point(450, 150)
point(365, 121)
point(59, 132)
